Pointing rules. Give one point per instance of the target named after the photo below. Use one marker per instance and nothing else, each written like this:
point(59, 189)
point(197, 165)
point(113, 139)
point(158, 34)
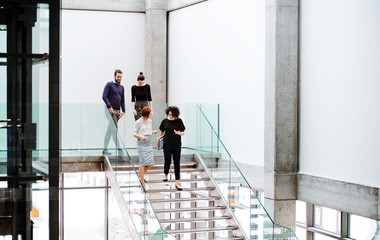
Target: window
point(364, 228)
point(327, 219)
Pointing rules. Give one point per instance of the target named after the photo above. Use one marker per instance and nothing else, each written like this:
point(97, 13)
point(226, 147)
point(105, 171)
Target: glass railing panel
point(211, 112)
point(246, 207)
point(84, 135)
point(117, 228)
point(139, 206)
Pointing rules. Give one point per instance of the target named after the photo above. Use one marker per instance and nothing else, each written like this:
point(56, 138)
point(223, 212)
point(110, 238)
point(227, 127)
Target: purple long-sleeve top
point(113, 96)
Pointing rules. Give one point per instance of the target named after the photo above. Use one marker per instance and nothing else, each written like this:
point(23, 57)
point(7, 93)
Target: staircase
point(196, 212)
point(216, 201)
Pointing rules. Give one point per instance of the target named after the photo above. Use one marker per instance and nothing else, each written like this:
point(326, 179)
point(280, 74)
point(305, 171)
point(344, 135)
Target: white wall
point(216, 55)
point(339, 90)
point(94, 44)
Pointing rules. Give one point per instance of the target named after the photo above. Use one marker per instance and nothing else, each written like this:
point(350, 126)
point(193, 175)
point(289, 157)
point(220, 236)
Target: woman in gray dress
point(143, 132)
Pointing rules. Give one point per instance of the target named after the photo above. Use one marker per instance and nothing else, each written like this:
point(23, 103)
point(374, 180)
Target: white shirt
point(143, 127)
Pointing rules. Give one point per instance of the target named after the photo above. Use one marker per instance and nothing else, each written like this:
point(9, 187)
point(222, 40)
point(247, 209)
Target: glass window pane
point(301, 212)
point(301, 233)
point(364, 228)
point(318, 236)
point(40, 210)
point(84, 212)
point(327, 219)
point(84, 179)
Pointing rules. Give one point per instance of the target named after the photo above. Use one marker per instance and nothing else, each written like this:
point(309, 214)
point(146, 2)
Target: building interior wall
point(216, 52)
point(339, 85)
point(94, 44)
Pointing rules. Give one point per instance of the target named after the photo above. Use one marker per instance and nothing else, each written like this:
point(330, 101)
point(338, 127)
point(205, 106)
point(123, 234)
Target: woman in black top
point(141, 96)
point(173, 128)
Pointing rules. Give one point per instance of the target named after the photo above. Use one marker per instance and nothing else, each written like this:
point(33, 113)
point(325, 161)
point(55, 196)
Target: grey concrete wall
point(178, 4)
point(253, 174)
point(156, 48)
point(101, 5)
point(347, 197)
point(281, 102)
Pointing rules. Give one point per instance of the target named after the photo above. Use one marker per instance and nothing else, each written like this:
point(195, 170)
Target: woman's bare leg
point(141, 174)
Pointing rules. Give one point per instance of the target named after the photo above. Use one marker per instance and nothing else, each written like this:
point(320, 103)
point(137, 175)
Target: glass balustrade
point(238, 194)
point(84, 129)
point(85, 126)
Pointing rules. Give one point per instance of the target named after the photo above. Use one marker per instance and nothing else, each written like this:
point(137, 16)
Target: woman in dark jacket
point(173, 128)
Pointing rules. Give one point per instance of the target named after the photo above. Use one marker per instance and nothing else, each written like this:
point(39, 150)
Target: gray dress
point(145, 151)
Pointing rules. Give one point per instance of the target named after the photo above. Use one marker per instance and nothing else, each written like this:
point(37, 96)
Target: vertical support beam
point(281, 107)
point(345, 225)
point(309, 220)
point(193, 205)
point(156, 48)
point(107, 193)
point(54, 119)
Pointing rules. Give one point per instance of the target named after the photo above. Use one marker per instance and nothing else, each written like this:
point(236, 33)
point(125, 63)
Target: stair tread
point(182, 199)
point(171, 171)
point(179, 220)
point(188, 209)
point(196, 230)
point(182, 180)
point(175, 190)
point(183, 165)
point(226, 238)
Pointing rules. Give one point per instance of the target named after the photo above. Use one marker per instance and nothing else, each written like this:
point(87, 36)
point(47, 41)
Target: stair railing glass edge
point(220, 143)
point(119, 162)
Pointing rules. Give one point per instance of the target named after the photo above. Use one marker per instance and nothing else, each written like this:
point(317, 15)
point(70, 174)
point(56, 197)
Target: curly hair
point(145, 112)
point(174, 110)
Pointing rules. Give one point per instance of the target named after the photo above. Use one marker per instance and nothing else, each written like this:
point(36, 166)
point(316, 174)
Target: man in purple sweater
point(113, 97)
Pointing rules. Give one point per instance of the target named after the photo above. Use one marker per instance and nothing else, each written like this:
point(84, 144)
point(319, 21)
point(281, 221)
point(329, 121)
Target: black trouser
point(170, 150)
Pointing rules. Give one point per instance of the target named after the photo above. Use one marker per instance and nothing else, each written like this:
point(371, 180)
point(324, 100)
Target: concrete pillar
point(281, 101)
point(156, 48)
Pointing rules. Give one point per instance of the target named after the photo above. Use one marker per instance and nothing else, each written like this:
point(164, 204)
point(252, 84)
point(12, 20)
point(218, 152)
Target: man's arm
point(105, 95)
point(122, 104)
point(105, 98)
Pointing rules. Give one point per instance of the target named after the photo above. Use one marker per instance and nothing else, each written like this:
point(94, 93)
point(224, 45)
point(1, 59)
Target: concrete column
point(156, 48)
point(281, 100)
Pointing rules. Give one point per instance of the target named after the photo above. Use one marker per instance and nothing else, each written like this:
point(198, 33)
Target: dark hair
point(145, 112)
point(141, 77)
point(118, 71)
point(174, 110)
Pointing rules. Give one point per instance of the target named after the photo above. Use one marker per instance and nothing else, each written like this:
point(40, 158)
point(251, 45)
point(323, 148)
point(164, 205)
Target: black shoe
point(106, 152)
point(178, 188)
point(165, 180)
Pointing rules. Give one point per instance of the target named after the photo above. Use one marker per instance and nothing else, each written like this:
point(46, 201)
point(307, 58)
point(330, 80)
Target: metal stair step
point(182, 180)
point(172, 210)
point(193, 165)
point(196, 170)
point(162, 190)
point(182, 220)
point(199, 230)
point(226, 238)
point(183, 199)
